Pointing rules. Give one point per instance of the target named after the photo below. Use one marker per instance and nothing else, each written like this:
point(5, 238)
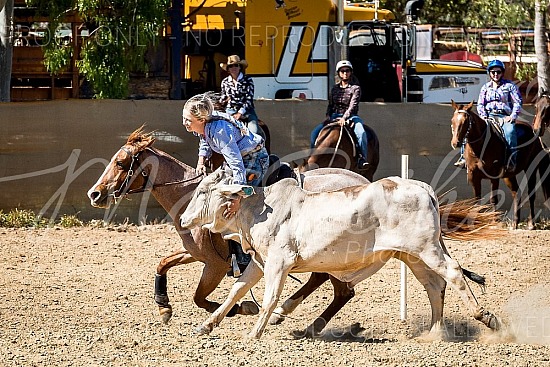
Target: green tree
point(474, 13)
point(120, 32)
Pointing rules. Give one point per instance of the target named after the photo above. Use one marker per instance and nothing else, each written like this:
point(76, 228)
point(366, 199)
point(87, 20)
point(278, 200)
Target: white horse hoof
point(277, 316)
point(203, 330)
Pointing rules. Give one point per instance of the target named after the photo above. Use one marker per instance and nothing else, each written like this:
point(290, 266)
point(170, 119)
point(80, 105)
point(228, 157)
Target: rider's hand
point(237, 116)
point(341, 121)
point(201, 169)
point(232, 207)
point(508, 119)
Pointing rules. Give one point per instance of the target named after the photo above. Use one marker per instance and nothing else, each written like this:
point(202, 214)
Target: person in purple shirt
point(500, 100)
point(343, 107)
point(243, 151)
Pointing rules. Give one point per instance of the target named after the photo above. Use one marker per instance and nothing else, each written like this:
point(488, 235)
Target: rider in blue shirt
point(243, 151)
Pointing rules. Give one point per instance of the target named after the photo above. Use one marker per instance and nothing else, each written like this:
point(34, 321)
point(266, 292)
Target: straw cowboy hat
point(234, 59)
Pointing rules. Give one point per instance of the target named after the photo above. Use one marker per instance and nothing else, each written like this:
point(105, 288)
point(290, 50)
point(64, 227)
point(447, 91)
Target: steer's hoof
point(203, 330)
point(494, 323)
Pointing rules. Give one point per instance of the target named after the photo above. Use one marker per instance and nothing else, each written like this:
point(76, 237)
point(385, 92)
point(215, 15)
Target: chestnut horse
point(485, 154)
point(335, 147)
point(137, 167)
point(542, 113)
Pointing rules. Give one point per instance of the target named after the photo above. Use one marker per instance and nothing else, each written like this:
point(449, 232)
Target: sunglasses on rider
point(496, 71)
point(233, 66)
point(345, 70)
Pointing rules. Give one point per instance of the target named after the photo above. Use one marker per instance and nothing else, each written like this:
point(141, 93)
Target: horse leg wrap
point(161, 292)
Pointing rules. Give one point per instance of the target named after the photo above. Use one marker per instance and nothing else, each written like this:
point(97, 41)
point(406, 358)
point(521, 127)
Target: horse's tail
point(467, 220)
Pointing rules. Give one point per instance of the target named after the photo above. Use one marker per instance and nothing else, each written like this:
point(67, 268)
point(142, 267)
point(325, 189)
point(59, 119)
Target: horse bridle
point(469, 121)
point(147, 185)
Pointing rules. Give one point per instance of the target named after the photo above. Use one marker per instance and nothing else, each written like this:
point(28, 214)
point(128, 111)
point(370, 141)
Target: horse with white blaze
point(349, 233)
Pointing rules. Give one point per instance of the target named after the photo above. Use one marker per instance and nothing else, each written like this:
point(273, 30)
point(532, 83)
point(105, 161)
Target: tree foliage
point(476, 13)
point(120, 32)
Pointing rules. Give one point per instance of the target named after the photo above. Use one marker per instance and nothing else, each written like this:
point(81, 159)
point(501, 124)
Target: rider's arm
point(353, 107)
point(226, 141)
point(481, 102)
point(204, 149)
point(516, 100)
point(224, 94)
point(330, 110)
point(247, 102)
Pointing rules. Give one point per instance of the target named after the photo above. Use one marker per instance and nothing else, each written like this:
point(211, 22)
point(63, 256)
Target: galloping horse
point(335, 147)
point(137, 167)
point(542, 113)
point(485, 154)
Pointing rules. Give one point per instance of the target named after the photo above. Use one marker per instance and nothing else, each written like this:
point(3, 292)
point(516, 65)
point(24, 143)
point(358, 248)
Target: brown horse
point(335, 147)
point(542, 113)
point(137, 167)
point(485, 154)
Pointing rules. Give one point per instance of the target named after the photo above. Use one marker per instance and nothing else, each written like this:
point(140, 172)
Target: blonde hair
point(201, 106)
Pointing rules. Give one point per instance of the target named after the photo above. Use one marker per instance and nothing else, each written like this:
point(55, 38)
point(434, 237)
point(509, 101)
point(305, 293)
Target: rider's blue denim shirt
point(223, 137)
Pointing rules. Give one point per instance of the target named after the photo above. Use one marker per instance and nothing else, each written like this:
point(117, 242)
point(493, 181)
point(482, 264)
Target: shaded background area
point(52, 152)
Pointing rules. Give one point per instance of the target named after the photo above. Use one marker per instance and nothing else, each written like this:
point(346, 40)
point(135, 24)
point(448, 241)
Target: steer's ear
point(240, 190)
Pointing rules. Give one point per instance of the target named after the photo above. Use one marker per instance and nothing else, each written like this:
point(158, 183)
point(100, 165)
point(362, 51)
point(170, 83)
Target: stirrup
point(461, 163)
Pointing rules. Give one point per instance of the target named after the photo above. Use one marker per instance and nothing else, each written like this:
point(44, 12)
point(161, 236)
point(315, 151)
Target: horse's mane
point(140, 139)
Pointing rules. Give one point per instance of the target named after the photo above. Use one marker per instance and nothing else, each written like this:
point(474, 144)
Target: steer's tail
point(467, 220)
point(479, 279)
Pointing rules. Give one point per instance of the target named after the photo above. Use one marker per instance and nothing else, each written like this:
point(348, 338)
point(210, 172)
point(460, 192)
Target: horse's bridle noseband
point(122, 190)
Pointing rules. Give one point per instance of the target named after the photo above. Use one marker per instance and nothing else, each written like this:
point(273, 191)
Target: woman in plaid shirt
point(343, 107)
point(238, 92)
point(500, 100)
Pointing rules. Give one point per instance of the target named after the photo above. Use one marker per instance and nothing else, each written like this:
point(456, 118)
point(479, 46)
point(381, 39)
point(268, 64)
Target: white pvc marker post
point(404, 174)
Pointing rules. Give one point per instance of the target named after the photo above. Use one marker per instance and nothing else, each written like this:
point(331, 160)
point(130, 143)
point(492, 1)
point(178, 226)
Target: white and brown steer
point(349, 233)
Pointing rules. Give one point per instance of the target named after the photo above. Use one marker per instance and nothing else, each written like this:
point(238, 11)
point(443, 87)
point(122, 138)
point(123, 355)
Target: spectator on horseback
point(343, 107)
point(237, 93)
point(243, 151)
point(500, 101)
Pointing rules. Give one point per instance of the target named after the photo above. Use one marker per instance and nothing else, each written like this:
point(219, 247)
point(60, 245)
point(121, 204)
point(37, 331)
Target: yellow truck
point(292, 47)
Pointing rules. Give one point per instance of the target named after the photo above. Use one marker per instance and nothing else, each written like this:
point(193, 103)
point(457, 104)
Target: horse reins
point(122, 191)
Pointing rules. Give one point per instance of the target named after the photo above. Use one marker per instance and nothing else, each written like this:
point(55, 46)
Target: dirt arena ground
point(84, 297)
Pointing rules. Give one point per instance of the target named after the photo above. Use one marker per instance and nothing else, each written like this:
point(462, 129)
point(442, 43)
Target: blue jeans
point(358, 129)
point(510, 134)
point(256, 165)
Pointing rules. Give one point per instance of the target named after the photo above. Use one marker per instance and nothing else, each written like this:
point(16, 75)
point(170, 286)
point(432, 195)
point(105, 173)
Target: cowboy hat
point(232, 60)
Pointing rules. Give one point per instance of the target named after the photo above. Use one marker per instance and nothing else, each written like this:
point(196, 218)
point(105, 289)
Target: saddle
point(347, 130)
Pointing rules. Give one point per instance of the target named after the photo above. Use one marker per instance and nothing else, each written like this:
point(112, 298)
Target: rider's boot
point(461, 162)
point(362, 163)
point(239, 259)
